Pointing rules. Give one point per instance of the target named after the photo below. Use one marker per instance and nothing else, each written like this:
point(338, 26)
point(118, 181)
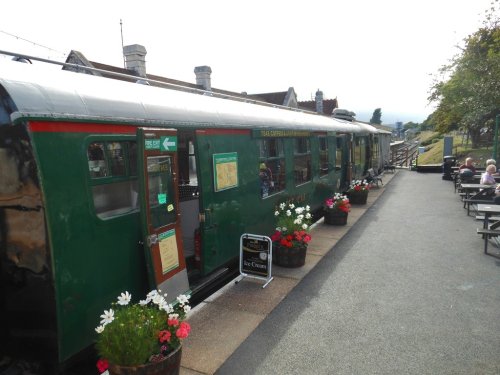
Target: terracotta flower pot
point(170, 365)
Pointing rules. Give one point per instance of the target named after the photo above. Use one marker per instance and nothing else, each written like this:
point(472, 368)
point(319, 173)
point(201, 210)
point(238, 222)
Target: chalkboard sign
point(256, 257)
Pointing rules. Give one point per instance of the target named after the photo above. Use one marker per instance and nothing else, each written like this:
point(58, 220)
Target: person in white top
point(487, 177)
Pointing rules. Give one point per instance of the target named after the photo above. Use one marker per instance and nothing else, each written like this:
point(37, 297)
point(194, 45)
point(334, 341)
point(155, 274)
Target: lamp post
point(495, 139)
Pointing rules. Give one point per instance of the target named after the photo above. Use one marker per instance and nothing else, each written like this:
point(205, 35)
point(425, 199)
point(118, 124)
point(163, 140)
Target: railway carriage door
point(160, 216)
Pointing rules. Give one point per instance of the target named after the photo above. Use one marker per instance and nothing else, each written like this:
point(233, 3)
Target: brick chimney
point(203, 77)
point(319, 101)
point(135, 59)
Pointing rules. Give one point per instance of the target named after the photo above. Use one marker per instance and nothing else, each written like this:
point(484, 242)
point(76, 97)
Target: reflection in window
point(97, 161)
point(113, 170)
point(338, 153)
point(115, 199)
point(302, 161)
point(162, 210)
point(271, 166)
point(116, 159)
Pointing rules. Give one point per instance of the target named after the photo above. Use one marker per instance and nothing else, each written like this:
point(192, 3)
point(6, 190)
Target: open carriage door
point(160, 216)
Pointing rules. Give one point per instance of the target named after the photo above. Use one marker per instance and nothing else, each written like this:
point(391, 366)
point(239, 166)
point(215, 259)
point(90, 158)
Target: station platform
point(224, 320)
point(404, 288)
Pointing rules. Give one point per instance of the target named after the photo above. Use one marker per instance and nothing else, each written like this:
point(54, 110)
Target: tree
point(469, 98)
point(376, 117)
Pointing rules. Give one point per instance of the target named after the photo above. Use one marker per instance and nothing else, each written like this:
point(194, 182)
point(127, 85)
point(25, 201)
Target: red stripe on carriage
point(79, 127)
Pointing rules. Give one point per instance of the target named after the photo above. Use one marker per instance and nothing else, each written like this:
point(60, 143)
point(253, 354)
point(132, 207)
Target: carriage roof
point(43, 92)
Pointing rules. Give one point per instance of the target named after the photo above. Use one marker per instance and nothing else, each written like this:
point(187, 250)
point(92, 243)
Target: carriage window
point(97, 161)
point(360, 152)
point(324, 166)
point(113, 171)
point(302, 160)
point(271, 166)
point(338, 154)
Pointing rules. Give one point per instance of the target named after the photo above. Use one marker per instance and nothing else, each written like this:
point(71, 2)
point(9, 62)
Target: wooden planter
point(335, 217)
point(170, 365)
point(290, 257)
point(358, 197)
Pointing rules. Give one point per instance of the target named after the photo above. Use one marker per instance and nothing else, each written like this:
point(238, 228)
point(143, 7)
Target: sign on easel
point(256, 257)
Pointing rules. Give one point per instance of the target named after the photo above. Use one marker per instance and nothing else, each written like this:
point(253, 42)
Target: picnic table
point(488, 231)
point(482, 194)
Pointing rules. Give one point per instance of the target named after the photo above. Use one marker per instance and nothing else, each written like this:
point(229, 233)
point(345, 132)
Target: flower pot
point(358, 197)
point(290, 257)
point(335, 217)
point(170, 365)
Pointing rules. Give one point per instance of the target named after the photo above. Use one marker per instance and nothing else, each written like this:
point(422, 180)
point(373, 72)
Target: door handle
point(152, 240)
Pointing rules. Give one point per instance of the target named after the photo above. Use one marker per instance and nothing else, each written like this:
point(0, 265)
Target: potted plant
point(358, 191)
point(142, 338)
point(336, 209)
point(292, 236)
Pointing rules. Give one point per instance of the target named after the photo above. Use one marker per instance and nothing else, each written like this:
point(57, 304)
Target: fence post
point(495, 139)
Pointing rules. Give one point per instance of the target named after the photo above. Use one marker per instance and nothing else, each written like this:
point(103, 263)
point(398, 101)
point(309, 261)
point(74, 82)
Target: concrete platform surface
point(224, 320)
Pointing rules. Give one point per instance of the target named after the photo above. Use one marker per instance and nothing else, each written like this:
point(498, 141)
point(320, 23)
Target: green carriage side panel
point(92, 258)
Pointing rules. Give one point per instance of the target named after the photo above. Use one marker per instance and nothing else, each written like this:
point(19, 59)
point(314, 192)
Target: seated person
point(266, 180)
point(496, 200)
point(492, 162)
point(468, 165)
point(487, 177)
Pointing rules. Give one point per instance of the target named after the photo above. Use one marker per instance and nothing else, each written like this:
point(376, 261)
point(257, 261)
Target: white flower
point(297, 221)
point(288, 213)
point(283, 229)
point(158, 300)
point(308, 215)
point(304, 226)
point(124, 298)
point(301, 217)
point(168, 308)
point(108, 316)
point(278, 229)
point(291, 205)
point(299, 210)
point(276, 213)
point(151, 294)
point(282, 206)
point(99, 329)
point(173, 316)
point(187, 308)
point(308, 208)
point(183, 299)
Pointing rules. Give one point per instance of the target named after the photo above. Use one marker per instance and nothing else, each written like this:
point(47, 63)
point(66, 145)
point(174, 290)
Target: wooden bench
point(469, 201)
point(487, 234)
point(374, 178)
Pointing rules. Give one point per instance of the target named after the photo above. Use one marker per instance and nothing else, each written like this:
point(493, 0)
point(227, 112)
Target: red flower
point(164, 336)
point(102, 365)
point(182, 332)
point(173, 322)
point(276, 236)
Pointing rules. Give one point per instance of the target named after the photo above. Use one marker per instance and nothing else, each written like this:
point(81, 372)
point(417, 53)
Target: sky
point(367, 54)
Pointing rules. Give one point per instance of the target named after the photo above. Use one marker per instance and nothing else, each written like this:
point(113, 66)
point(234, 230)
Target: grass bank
point(434, 146)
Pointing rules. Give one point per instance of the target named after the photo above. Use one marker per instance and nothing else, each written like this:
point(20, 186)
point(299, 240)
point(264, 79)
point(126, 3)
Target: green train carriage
point(109, 186)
